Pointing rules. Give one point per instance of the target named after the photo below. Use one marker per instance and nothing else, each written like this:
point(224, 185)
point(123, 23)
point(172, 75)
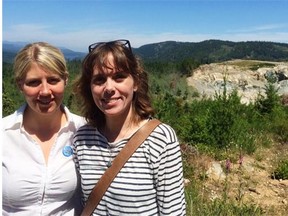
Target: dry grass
point(246, 64)
point(249, 183)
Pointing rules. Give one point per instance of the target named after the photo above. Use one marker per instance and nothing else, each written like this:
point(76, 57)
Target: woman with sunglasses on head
point(38, 172)
point(114, 90)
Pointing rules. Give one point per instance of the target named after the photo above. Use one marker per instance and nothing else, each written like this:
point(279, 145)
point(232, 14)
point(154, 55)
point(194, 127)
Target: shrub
point(281, 171)
point(268, 103)
point(8, 105)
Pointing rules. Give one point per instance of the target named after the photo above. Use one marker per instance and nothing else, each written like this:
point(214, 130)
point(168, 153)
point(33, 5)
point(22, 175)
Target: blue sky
point(75, 24)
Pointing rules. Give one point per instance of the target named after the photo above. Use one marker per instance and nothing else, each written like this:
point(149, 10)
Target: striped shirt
point(151, 181)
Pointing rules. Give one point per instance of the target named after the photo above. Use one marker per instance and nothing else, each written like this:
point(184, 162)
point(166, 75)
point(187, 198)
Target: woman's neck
point(43, 126)
point(120, 129)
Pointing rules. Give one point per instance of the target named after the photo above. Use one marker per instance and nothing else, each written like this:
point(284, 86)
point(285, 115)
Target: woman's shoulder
point(14, 118)
point(78, 118)
point(161, 139)
point(75, 118)
point(164, 132)
point(86, 134)
point(86, 129)
point(164, 128)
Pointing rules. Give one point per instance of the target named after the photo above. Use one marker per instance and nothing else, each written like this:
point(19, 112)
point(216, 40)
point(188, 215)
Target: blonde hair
point(43, 54)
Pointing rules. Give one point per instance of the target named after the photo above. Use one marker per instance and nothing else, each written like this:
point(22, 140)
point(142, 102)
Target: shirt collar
point(15, 120)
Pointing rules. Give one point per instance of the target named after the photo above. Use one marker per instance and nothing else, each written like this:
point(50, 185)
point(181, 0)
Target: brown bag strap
point(100, 188)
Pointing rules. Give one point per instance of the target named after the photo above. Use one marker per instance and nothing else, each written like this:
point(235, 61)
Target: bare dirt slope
point(248, 182)
point(248, 77)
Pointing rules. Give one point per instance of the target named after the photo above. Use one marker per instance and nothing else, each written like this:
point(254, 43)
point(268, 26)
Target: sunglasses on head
point(124, 42)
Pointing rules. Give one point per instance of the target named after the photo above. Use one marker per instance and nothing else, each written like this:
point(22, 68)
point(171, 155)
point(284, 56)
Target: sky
point(75, 24)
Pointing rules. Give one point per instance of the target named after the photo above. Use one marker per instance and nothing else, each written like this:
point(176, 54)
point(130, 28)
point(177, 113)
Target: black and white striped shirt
point(150, 183)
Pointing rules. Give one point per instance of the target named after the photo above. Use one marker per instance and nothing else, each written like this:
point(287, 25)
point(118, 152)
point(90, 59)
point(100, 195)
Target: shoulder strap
point(100, 188)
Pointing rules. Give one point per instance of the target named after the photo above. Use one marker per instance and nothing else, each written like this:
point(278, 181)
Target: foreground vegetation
point(223, 128)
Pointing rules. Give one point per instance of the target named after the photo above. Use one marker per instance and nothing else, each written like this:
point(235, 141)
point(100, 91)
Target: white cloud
point(262, 28)
point(80, 40)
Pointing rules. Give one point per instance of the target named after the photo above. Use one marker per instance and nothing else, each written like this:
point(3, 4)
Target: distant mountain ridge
point(207, 51)
point(214, 51)
point(10, 50)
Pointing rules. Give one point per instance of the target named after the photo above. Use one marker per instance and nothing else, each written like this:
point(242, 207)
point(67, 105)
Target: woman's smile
point(45, 102)
point(110, 100)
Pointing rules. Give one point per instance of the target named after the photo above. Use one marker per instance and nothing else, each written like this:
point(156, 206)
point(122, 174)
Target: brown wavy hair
point(125, 60)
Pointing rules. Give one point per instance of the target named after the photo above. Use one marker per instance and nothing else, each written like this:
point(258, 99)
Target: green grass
point(199, 204)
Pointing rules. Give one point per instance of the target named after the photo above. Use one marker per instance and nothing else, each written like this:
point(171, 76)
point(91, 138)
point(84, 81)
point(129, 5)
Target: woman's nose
point(109, 88)
point(45, 90)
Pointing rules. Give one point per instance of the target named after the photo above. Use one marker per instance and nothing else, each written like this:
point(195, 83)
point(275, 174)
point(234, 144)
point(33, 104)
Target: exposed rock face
point(242, 76)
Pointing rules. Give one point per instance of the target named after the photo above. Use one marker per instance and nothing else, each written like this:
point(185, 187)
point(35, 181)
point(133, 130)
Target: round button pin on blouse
point(67, 151)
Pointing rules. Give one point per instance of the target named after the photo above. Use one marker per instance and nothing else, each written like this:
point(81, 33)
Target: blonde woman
point(38, 172)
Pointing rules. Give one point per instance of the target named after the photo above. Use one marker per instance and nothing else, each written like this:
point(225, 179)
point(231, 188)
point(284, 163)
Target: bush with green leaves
point(281, 172)
point(268, 103)
point(220, 123)
point(8, 105)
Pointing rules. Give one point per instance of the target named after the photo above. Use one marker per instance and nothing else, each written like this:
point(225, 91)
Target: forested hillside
point(204, 52)
point(214, 51)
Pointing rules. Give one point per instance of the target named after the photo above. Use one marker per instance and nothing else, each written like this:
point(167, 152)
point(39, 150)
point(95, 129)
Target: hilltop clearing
point(248, 77)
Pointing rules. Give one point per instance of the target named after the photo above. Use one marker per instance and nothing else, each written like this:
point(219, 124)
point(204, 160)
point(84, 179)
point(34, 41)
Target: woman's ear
point(135, 88)
point(20, 86)
point(66, 81)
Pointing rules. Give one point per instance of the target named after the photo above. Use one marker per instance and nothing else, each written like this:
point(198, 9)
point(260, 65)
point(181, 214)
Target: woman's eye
point(119, 76)
point(33, 83)
point(54, 81)
point(98, 80)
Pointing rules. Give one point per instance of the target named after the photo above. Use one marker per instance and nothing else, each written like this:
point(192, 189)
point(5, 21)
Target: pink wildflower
point(228, 165)
point(241, 158)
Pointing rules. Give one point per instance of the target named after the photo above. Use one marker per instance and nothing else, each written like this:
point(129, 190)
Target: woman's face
point(43, 91)
point(113, 90)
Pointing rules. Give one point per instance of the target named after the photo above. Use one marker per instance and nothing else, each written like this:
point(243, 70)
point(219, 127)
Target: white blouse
point(31, 187)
